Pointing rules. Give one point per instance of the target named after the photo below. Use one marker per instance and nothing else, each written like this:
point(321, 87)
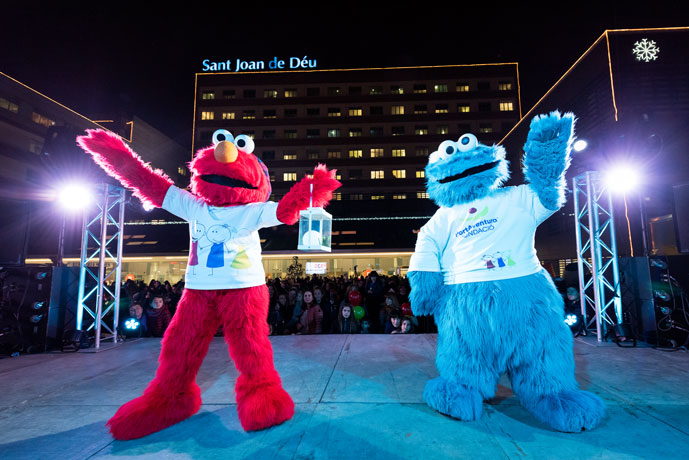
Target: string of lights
point(182, 222)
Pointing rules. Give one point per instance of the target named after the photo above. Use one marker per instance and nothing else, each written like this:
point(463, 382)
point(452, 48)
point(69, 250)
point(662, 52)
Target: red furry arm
point(297, 199)
point(119, 161)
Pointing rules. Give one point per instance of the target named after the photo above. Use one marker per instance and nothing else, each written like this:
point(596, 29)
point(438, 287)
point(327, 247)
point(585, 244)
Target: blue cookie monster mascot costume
point(475, 268)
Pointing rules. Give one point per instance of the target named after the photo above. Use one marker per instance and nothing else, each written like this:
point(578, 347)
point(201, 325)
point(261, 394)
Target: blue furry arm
point(425, 291)
point(547, 156)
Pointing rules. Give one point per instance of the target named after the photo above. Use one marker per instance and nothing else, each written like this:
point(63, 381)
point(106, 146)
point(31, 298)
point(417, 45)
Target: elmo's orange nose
point(225, 152)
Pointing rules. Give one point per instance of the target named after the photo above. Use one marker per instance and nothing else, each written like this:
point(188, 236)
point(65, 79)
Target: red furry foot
point(261, 406)
point(153, 411)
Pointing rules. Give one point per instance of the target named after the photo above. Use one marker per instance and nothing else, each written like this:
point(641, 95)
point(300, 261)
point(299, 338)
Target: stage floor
point(356, 397)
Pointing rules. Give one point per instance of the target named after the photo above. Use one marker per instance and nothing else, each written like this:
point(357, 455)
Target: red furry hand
point(299, 196)
point(116, 158)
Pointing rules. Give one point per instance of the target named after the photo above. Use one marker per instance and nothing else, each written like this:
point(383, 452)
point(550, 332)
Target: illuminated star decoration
point(646, 50)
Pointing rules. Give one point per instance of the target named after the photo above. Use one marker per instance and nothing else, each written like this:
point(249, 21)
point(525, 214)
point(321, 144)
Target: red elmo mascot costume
point(225, 282)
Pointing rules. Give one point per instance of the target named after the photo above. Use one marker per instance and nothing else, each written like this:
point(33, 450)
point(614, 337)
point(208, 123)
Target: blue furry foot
point(570, 411)
point(453, 399)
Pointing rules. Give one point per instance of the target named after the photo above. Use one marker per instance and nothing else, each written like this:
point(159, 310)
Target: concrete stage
point(356, 397)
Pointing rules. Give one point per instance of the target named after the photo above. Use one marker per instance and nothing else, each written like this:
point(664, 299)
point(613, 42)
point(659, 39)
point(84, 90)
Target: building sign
point(316, 268)
point(274, 64)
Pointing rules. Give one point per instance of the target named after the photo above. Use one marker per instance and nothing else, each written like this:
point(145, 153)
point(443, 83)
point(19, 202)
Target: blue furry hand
point(545, 128)
point(425, 291)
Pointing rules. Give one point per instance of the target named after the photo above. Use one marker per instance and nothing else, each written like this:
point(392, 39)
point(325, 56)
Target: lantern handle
point(311, 196)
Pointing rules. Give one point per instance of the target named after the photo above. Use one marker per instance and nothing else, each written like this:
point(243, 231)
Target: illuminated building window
point(399, 153)
point(337, 196)
point(420, 173)
point(290, 92)
point(421, 151)
point(334, 154)
point(249, 93)
point(440, 88)
point(420, 89)
point(7, 105)
point(313, 91)
point(228, 94)
point(334, 112)
point(35, 147)
point(270, 93)
point(312, 154)
point(485, 128)
point(421, 195)
point(397, 110)
point(442, 108)
point(464, 108)
point(484, 107)
point(354, 132)
point(207, 115)
point(290, 113)
point(290, 134)
point(249, 115)
point(420, 109)
point(483, 86)
point(228, 115)
point(270, 113)
point(506, 106)
point(462, 87)
point(289, 156)
point(313, 112)
point(338, 176)
point(397, 130)
point(289, 176)
point(504, 86)
point(356, 153)
point(269, 134)
point(376, 110)
point(399, 173)
point(181, 170)
point(355, 90)
point(268, 155)
point(250, 134)
point(421, 130)
point(334, 132)
point(355, 111)
point(396, 89)
point(208, 95)
point(442, 129)
point(311, 133)
point(355, 174)
point(401, 196)
point(377, 197)
point(356, 196)
point(376, 131)
point(376, 90)
point(376, 153)
point(334, 91)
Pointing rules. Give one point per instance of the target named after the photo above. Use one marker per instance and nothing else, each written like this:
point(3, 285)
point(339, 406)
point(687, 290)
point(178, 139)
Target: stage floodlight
point(75, 197)
point(622, 179)
point(571, 320)
point(579, 145)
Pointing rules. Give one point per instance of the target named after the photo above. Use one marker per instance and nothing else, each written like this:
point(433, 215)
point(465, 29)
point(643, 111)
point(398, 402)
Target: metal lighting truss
point(595, 233)
point(92, 285)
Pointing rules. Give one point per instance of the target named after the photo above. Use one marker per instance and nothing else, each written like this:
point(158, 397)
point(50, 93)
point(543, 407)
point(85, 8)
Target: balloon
point(355, 298)
point(359, 312)
point(406, 309)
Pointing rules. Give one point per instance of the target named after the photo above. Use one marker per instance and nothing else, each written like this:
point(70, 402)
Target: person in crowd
point(312, 316)
point(407, 326)
point(346, 321)
point(277, 314)
point(572, 302)
point(136, 312)
point(391, 304)
point(329, 311)
point(159, 316)
point(395, 322)
point(373, 294)
point(365, 326)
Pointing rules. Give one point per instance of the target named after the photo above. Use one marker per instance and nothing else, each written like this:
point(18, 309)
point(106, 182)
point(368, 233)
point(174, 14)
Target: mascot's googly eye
point(467, 142)
point(447, 148)
point(222, 135)
point(244, 143)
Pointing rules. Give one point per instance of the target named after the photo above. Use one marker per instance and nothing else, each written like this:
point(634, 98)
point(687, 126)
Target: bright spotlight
point(580, 145)
point(75, 197)
point(622, 179)
point(131, 323)
point(571, 319)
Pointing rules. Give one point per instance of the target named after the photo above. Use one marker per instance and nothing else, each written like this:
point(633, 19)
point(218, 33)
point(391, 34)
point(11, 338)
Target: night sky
point(143, 61)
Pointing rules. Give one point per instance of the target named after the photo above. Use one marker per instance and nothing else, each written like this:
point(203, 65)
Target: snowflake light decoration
point(646, 50)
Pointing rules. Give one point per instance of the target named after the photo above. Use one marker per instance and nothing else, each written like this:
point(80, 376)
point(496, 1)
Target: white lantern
point(315, 228)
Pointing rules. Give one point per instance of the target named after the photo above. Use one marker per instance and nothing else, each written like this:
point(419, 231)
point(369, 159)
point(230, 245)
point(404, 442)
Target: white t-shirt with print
point(487, 239)
point(225, 249)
